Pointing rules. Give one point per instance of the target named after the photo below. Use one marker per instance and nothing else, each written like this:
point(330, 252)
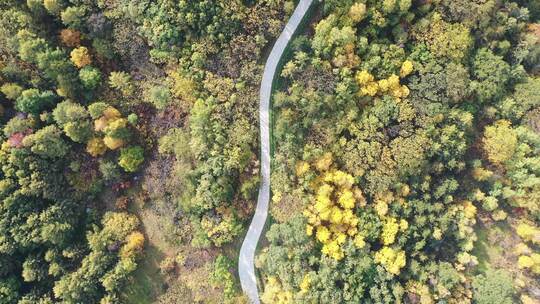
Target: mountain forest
point(404, 151)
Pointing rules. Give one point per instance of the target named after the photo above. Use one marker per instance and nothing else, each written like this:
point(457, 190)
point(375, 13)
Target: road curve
point(246, 267)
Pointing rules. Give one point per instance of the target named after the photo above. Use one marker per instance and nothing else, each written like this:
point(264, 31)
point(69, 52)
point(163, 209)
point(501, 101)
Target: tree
point(332, 222)
point(499, 141)
point(73, 16)
point(109, 170)
point(131, 158)
point(57, 67)
point(357, 12)
point(335, 43)
point(81, 57)
point(116, 133)
point(133, 246)
point(491, 75)
point(121, 81)
point(11, 90)
point(96, 109)
point(70, 37)
point(444, 39)
point(96, 147)
point(98, 25)
point(34, 101)
point(528, 233)
point(36, 6)
point(90, 77)
point(392, 260)
point(74, 120)
point(30, 45)
point(101, 269)
point(18, 125)
point(47, 142)
point(53, 6)
point(9, 290)
point(159, 96)
point(526, 96)
point(493, 287)
point(221, 275)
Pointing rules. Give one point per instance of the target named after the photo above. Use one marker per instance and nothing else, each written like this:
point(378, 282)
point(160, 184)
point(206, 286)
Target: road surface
point(246, 267)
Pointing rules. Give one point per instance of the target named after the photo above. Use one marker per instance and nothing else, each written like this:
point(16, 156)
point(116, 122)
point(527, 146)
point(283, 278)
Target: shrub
point(133, 118)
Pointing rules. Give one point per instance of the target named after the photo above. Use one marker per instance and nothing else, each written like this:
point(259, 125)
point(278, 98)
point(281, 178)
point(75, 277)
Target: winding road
point(246, 266)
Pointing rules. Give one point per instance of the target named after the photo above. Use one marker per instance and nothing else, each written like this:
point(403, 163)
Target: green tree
point(491, 75)
point(18, 125)
point(30, 45)
point(96, 109)
point(9, 290)
point(90, 77)
point(159, 96)
point(121, 81)
point(73, 16)
point(100, 269)
point(221, 275)
point(74, 120)
point(34, 101)
point(447, 40)
point(47, 142)
point(526, 96)
point(109, 170)
point(131, 158)
point(493, 287)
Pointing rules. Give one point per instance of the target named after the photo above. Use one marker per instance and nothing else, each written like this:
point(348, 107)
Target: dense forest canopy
point(111, 111)
point(405, 162)
point(406, 142)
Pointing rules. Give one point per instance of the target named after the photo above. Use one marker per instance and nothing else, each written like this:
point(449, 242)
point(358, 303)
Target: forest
point(405, 160)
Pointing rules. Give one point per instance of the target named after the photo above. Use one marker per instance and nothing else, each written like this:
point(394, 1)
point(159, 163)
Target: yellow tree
point(331, 215)
point(81, 57)
point(499, 141)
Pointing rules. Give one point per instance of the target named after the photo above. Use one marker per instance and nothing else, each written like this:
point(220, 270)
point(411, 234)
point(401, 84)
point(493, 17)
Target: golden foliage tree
point(392, 260)
point(499, 141)
point(96, 147)
point(331, 217)
point(81, 57)
point(369, 86)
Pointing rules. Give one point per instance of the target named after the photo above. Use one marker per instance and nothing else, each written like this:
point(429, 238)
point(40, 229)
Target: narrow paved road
point(246, 267)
